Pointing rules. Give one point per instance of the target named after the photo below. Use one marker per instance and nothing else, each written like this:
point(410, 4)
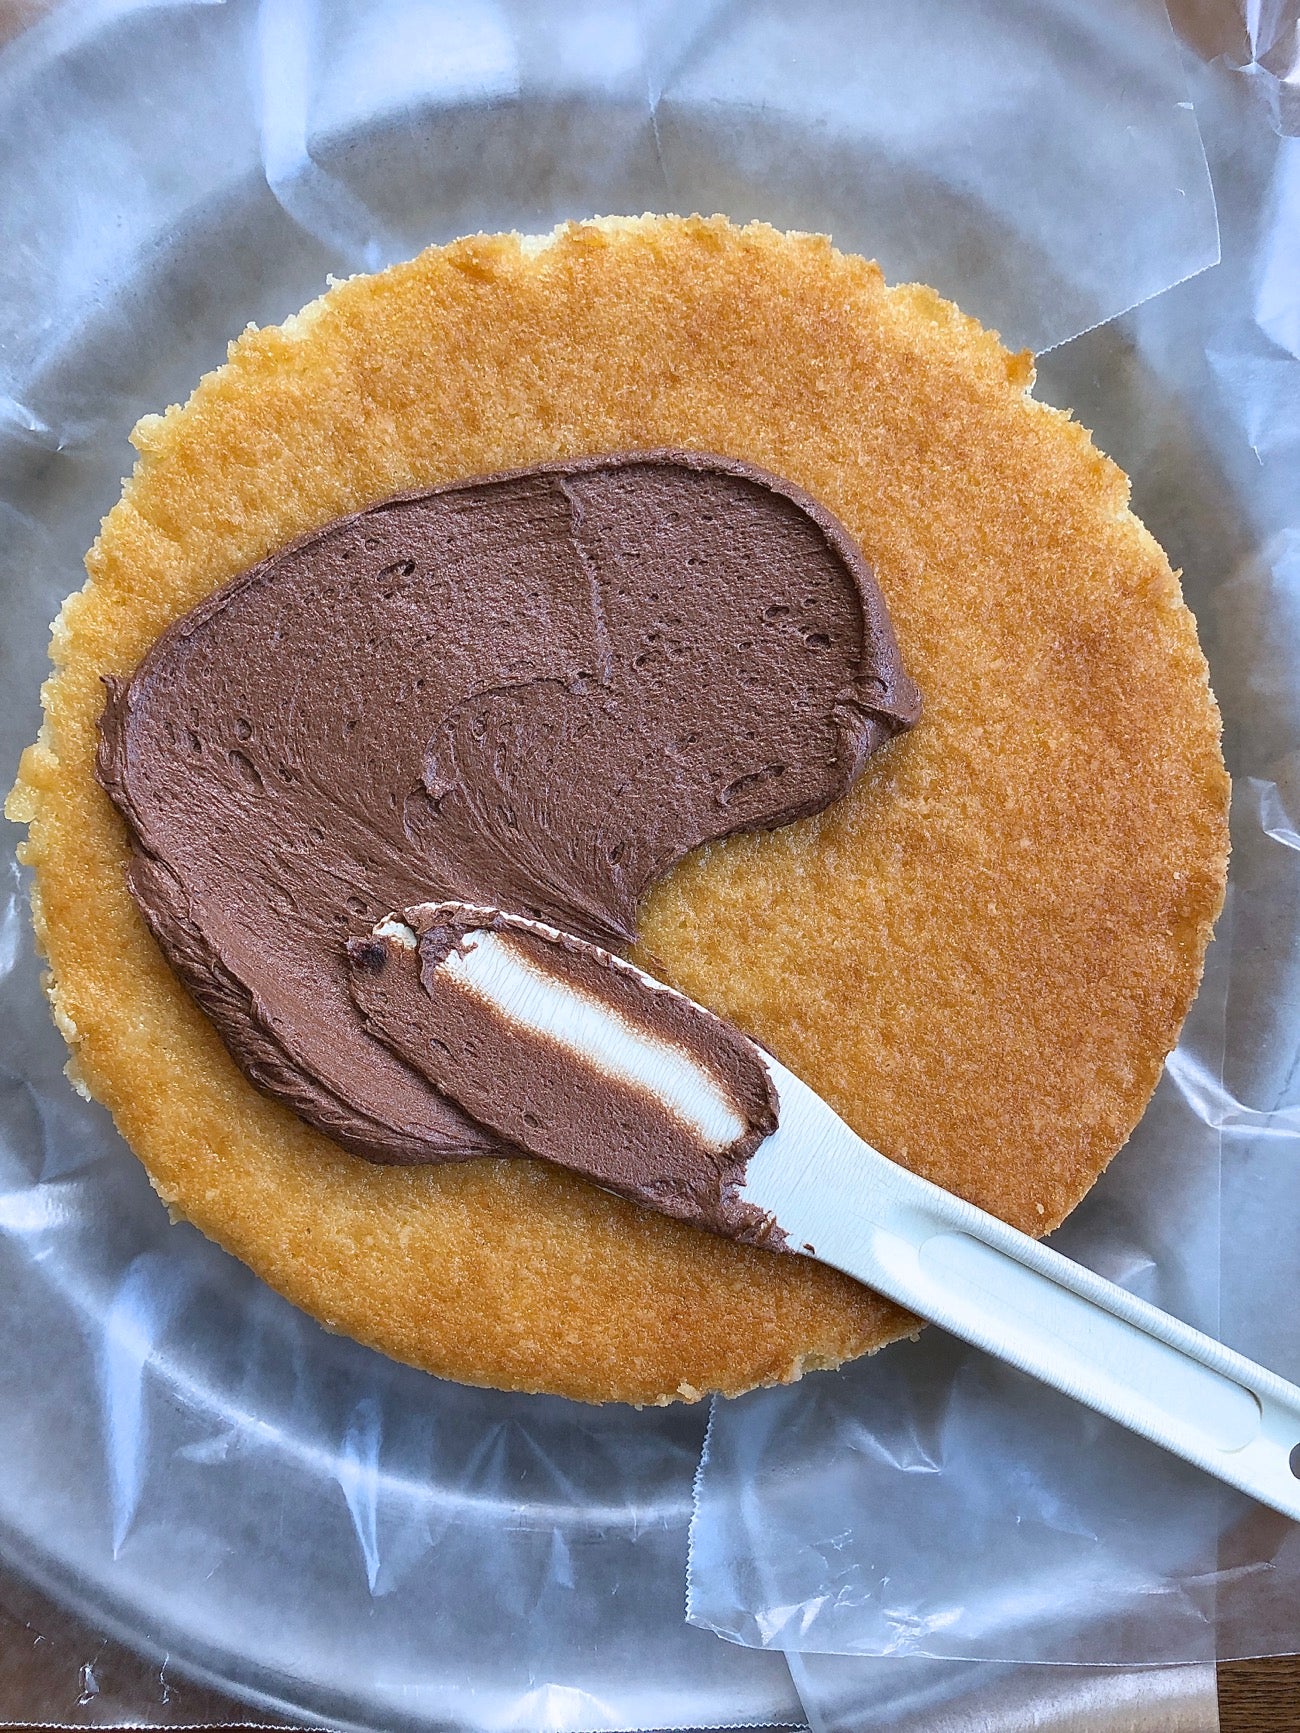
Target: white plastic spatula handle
point(844, 1203)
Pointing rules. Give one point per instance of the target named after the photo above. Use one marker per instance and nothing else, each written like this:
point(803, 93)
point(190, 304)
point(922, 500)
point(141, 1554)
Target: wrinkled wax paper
point(930, 1502)
point(199, 1471)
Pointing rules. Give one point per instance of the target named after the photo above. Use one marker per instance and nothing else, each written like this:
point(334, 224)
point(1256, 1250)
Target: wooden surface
point(1260, 1696)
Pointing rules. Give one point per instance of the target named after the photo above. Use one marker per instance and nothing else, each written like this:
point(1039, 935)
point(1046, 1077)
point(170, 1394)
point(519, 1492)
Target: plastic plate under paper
point(182, 1454)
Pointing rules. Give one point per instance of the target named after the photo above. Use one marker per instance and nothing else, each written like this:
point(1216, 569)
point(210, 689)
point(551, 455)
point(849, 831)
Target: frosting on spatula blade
point(571, 1055)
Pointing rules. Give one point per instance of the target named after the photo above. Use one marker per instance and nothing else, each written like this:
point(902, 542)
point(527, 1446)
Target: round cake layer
point(981, 956)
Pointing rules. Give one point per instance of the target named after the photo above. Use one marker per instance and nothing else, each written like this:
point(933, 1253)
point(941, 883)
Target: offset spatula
point(837, 1199)
point(1018, 1299)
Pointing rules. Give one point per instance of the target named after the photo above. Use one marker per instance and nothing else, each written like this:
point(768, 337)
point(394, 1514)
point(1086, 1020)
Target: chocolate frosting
point(538, 1096)
point(536, 690)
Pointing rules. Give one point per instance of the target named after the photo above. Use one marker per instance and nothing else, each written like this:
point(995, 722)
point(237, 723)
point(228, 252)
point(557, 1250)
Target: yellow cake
point(980, 957)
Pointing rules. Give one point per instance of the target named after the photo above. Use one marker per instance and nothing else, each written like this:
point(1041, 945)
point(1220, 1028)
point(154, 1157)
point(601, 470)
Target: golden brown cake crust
point(981, 957)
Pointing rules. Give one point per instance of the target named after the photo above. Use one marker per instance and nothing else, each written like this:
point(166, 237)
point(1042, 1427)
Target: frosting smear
point(536, 691)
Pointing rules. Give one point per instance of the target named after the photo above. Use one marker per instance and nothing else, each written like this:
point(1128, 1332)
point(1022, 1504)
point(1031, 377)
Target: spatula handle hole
point(1295, 1461)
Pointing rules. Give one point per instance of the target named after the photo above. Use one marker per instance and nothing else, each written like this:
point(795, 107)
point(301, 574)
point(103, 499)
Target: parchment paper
point(188, 1463)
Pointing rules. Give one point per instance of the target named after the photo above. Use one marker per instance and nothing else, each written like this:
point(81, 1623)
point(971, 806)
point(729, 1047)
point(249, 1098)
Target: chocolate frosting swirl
point(536, 690)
